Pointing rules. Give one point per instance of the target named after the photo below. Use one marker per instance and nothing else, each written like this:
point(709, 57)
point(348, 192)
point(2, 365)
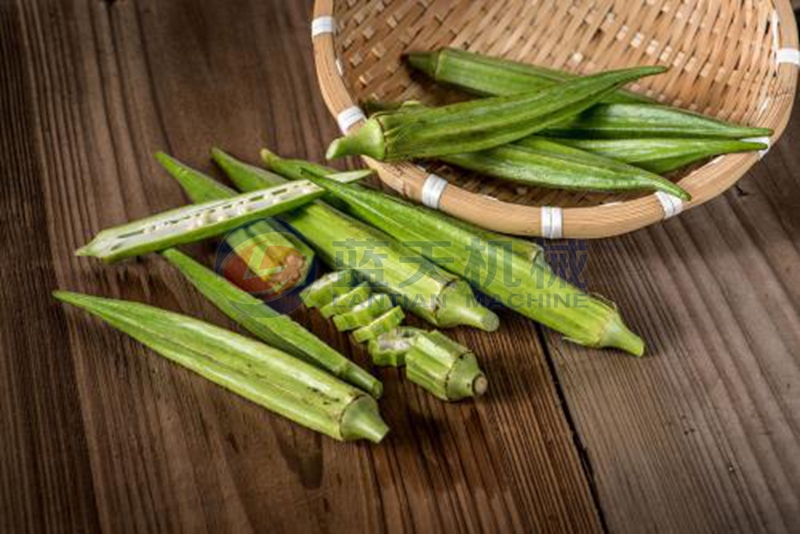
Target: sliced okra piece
point(327, 288)
point(385, 323)
point(342, 303)
point(364, 313)
point(390, 348)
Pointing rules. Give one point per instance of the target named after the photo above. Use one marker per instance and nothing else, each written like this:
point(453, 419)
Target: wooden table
point(703, 435)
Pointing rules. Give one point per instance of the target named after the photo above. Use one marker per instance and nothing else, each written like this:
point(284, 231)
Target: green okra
point(640, 121)
point(266, 376)
point(480, 124)
point(262, 240)
point(196, 222)
point(363, 314)
point(385, 323)
point(390, 348)
point(445, 368)
point(275, 329)
point(354, 297)
point(416, 284)
point(662, 155)
point(542, 163)
point(323, 291)
point(622, 116)
point(490, 76)
point(294, 169)
point(526, 288)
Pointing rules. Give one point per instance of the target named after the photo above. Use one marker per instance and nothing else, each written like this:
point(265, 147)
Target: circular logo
point(268, 261)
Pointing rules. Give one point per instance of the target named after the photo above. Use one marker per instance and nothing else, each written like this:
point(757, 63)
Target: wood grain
point(99, 434)
point(105, 85)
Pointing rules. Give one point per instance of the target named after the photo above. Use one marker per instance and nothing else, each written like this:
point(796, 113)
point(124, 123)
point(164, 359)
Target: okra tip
point(459, 307)
point(366, 141)
point(361, 420)
point(426, 62)
point(619, 336)
point(363, 380)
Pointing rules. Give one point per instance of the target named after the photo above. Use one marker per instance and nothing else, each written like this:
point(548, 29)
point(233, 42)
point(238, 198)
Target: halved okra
point(260, 243)
point(196, 222)
point(266, 376)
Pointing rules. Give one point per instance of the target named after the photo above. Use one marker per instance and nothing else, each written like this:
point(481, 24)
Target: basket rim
point(606, 220)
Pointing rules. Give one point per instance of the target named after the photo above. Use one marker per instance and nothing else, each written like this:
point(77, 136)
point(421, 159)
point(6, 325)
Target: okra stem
point(266, 376)
point(275, 329)
point(479, 124)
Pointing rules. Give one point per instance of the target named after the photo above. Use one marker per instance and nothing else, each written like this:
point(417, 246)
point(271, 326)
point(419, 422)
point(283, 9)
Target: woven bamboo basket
point(733, 59)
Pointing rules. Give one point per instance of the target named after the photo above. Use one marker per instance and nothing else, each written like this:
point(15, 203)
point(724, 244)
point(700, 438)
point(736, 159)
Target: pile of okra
point(386, 257)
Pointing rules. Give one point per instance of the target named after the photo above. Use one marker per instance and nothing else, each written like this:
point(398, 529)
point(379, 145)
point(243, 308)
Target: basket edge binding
point(554, 222)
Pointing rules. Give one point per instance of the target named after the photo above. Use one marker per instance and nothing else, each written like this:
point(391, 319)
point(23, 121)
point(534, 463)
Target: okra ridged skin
point(638, 121)
point(581, 318)
point(662, 155)
point(436, 296)
point(275, 329)
point(267, 238)
point(530, 251)
point(488, 76)
point(196, 222)
point(445, 368)
point(479, 124)
point(266, 376)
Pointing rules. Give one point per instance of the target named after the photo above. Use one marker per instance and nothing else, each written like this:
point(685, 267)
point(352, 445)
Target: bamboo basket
point(733, 59)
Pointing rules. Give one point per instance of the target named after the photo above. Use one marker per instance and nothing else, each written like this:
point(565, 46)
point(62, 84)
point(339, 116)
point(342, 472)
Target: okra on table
point(260, 243)
point(266, 376)
point(527, 288)
point(198, 221)
point(345, 243)
point(275, 329)
point(479, 124)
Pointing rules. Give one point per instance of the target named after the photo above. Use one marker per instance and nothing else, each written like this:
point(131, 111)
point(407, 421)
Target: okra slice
point(364, 313)
point(342, 303)
point(390, 348)
point(274, 328)
point(197, 222)
point(447, 369)
point(385, 323)
point(273, 379)
point(323, 291)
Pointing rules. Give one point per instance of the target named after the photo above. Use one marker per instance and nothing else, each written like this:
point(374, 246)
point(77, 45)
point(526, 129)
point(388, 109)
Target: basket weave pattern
point(723, 56)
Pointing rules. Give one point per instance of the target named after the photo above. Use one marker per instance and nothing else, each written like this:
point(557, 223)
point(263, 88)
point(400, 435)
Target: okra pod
point(479, 124)
point(542, 163)
point(490, 76)
point(622, 116)
point(294, 169)
point(385, 323)
point(264, 375)
point(363, 314)
point(639, 121)
point(418, 285)
point(323, 291)
point(275, 329)
point(662, 155)
point(526, 288)
point(260, 241)
point(196, 222)
point(445, 368)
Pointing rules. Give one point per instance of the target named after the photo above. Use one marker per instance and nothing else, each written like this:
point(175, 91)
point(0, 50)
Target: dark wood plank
point(45, 475)
point(705, 434)
point(152, 447)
